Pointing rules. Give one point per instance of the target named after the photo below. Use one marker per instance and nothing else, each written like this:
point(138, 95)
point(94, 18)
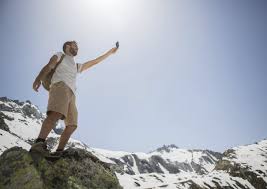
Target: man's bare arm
point(45, 70)
point(90, 63)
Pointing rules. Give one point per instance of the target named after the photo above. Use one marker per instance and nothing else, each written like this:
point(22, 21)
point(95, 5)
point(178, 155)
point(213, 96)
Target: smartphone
point(117, 44)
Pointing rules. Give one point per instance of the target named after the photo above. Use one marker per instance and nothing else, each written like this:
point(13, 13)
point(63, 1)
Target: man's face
point(73, 49)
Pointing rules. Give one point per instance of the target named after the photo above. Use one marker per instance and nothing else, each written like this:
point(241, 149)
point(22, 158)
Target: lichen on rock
point(76, 169)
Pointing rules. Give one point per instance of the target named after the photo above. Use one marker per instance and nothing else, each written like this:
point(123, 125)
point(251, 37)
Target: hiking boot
point(41, 148)
point(54, 156)
point(57, 153)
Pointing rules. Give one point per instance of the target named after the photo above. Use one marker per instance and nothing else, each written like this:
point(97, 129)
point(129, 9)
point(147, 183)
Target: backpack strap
point(59, 61)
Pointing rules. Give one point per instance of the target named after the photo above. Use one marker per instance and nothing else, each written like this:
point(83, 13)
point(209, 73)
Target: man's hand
point(113, 50)
point(45, 70)
point(36, 85)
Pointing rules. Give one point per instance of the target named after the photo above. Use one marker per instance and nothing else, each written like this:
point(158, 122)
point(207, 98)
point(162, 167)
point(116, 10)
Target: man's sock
point(39, 140)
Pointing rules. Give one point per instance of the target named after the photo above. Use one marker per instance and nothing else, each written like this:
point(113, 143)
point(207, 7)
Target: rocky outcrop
point(166, 148)
point(31, 111)
point(25, 108)
point(59, 128)
point(238, 170)
point(76, 169)
point(3, 125)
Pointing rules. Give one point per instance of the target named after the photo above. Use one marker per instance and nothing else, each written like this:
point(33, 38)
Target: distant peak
point(166, 148)
point(20, 103)
point(24, 107)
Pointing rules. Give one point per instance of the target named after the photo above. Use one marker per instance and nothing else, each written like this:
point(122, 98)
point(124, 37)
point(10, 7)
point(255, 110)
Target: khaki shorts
point(61, 99)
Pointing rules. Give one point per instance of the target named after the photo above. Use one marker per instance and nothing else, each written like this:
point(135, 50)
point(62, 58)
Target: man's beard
point(73, 52)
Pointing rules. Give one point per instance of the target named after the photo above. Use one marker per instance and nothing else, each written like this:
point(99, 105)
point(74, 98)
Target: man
point(62, 99)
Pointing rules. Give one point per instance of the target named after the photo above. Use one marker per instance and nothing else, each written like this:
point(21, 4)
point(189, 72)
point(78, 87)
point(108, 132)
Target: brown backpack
point(47, 80)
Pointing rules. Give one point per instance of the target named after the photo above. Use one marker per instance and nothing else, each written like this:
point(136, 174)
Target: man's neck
point(69, 54)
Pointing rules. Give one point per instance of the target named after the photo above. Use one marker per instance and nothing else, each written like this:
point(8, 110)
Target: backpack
point(47, 79)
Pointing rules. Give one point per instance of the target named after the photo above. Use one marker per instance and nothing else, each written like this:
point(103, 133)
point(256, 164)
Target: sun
point(107, 7)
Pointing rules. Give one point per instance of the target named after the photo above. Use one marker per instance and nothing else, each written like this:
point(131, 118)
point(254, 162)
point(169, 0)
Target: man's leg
point(57, 106)
point(49, 124)
point(71, 123)
point(69, 129)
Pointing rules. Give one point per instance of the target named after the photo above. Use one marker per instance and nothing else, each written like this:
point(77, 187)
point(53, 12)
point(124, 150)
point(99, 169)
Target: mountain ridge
point(167, 166)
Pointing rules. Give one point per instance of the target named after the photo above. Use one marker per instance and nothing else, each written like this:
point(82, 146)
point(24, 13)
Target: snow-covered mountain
point(166, 167)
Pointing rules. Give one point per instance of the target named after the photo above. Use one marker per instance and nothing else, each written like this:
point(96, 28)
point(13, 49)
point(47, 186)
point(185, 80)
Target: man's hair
point(67, 43)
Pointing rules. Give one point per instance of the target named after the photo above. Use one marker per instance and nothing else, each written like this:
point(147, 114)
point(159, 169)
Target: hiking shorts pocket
point(61, 99)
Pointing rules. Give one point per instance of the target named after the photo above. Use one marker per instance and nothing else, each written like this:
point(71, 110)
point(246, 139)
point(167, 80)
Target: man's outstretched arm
point(90, 63)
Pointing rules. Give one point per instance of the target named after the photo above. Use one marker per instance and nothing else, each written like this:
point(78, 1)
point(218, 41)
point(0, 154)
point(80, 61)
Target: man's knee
point(54, 116)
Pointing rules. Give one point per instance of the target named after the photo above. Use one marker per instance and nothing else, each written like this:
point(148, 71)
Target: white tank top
point(66, 71)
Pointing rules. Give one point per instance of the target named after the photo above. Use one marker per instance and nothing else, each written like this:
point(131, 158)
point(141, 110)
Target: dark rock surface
point(76, 169)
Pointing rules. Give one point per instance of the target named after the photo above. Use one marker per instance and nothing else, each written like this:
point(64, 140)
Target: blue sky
point(190, 73)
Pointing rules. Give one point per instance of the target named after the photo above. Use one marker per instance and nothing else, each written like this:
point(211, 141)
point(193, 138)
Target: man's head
point(71, 48)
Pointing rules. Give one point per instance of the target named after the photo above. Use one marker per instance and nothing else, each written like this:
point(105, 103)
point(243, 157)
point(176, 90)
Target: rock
point(31, 111)
point(4, 99)
point(236, 170)
point(3, 125)
point(76, 169)
point(28, 101)
point(26, 108)
point(59, 127)
point(166, 148)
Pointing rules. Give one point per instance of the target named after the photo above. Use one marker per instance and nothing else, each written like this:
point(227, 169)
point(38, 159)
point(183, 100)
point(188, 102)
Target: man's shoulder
point(58, 54)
